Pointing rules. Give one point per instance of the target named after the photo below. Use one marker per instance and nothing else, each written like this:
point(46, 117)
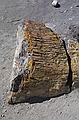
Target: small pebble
point(50, 100)
point(70, 18)
point(76, 5)
point(55, 3)
point(17, 112)
point(27, 106)
point(3, 60)
point(65, 11)
point(71, 7)
point(2, 115)
point(60, 112)
point(4, 111)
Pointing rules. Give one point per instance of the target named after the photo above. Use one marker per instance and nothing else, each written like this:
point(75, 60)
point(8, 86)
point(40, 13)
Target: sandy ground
point(13, 12)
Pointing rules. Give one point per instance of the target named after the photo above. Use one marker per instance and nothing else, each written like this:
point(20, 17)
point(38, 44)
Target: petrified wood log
point(40, 65)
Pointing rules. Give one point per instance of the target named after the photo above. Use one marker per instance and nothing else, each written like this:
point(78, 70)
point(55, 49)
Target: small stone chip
point(55, 3)
point(2, 115)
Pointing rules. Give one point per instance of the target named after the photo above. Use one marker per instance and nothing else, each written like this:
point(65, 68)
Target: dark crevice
point(69, 79)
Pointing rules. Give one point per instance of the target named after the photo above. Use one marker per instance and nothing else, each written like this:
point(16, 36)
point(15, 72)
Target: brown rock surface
point(40, 66)
point(73, 50)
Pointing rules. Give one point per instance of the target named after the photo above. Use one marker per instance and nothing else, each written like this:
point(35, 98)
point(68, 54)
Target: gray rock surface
point(74, 32)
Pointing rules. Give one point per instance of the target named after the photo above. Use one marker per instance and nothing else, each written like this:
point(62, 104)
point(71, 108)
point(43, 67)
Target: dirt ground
point(13, 12)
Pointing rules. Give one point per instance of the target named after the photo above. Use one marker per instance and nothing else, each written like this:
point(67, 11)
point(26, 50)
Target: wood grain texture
point(47, 64)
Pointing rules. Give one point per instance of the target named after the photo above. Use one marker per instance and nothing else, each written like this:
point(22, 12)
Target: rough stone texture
point(74, 32)
point(40, 66)
point(73, 50)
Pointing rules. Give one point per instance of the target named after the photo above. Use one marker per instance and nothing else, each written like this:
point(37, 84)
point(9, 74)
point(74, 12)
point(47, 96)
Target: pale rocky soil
point(13, 12)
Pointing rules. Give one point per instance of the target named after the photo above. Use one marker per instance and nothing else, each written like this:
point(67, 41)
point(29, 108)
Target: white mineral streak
point(21, 56)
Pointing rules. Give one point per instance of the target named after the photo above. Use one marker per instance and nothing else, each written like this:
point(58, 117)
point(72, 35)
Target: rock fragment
point(55, 3)
point(2, 115)
point(77, 5)
point(40, 65)
point(4, 111)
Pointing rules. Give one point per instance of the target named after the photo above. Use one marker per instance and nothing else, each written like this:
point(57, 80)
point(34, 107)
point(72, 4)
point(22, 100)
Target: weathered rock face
point(73, 51)
point(40, 66)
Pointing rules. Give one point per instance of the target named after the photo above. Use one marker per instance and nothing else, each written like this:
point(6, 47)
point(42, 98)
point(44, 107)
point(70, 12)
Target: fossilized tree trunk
point(40, 65)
